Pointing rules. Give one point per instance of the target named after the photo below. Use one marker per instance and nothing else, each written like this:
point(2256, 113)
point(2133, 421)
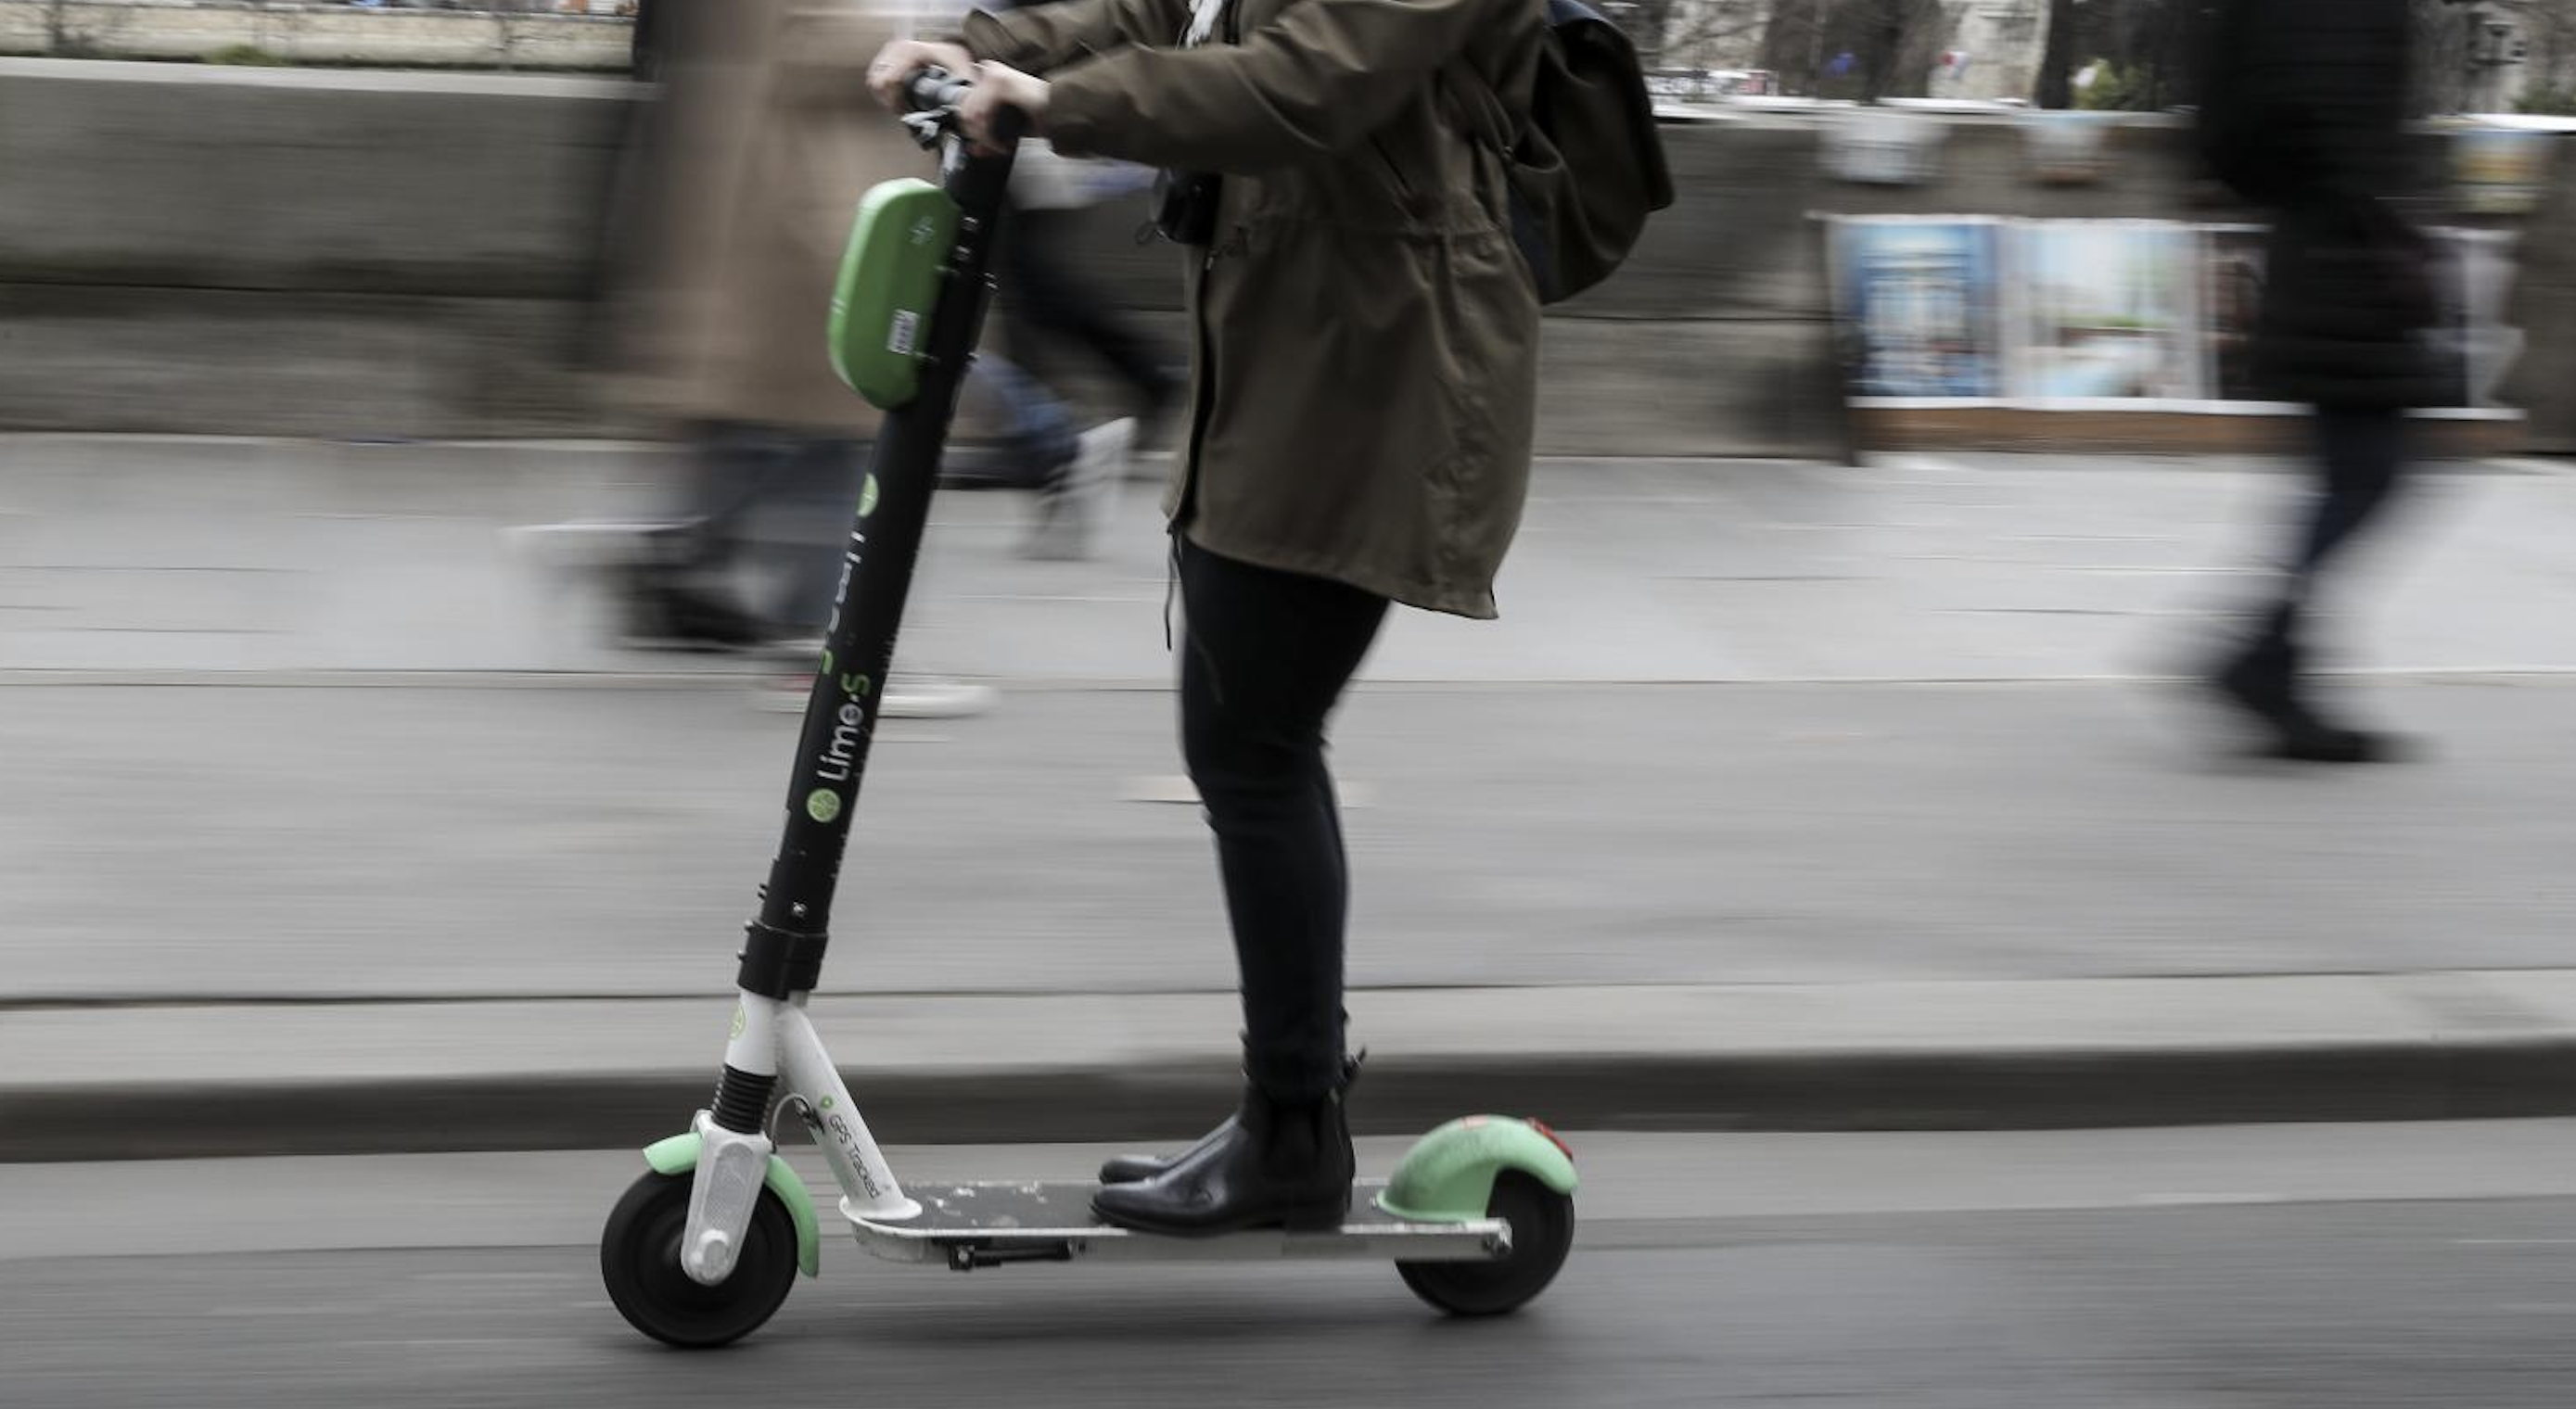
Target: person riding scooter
point(1359, 435)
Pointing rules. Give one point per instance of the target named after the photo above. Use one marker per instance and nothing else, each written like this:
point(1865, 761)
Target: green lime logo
point(867, 496)
point(823, 804)
point(740, 1021)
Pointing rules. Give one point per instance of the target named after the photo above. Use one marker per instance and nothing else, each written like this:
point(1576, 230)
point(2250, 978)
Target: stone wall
point(188, 249)
point(283, 251)
point(315, 34)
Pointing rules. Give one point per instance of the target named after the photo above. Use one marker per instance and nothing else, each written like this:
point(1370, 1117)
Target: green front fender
point(1448, 1175)
point(679, 1155)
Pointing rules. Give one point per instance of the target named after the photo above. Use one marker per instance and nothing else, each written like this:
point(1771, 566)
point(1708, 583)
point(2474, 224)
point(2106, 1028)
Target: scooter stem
point(782, 954)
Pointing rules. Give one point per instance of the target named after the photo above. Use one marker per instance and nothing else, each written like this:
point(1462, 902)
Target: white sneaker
point(927, 697)
point(1072, 512)
point(581, 547)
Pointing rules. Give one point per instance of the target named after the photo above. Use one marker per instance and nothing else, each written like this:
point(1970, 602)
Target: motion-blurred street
point(2315, 1267)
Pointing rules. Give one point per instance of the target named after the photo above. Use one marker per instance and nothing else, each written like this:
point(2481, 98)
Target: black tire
point(639, 1259)
point(1542, 1235)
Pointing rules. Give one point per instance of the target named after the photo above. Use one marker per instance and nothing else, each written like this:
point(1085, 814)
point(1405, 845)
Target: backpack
point(1588, 168)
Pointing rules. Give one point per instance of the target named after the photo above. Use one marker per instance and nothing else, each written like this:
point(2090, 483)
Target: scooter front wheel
point(639, 1259)
point(1542, 1235)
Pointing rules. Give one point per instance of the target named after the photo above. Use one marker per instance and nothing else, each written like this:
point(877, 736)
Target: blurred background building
point(2481, 55)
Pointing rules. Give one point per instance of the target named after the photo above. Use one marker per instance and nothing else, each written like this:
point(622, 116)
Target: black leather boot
point(1127, 1169)
point(2267, 684)
point(1133, 1168)
point(1284, 1164)
point(1130, 1169)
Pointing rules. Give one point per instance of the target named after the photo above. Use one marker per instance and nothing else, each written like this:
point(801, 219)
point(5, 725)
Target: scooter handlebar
point(934, 90)
point(932, 96)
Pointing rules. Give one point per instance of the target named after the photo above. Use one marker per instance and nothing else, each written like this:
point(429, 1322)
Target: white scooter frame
point(976, 1225)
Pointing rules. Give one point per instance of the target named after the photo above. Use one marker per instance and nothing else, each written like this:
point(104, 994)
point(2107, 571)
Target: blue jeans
point(781, 498)
point(1038, 437)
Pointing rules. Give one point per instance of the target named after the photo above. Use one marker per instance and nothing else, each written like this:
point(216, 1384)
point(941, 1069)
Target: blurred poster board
point(2473, 346)
point(2500, 170)
point(2110, 315)
point(1918, 303)
point(2109, 310)
point(2231, 278)
point(2474, 281)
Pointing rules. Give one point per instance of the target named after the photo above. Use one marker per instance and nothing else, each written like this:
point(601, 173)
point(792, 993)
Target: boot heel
point(1317, 1217)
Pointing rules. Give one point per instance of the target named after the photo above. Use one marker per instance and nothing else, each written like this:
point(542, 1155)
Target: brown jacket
point(1367, 351)
point(768, 138)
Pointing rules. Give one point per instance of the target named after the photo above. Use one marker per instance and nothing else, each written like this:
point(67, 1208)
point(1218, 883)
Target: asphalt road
point(2273, 1268)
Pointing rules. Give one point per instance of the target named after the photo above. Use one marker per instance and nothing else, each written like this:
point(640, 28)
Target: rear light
point(1552, 1137)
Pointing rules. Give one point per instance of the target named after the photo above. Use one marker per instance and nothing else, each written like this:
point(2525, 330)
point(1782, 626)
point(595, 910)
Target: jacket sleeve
point(1043, 38)
point(1319, 78)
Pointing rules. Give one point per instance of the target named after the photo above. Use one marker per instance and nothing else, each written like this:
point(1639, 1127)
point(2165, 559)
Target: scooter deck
point(976, 1225)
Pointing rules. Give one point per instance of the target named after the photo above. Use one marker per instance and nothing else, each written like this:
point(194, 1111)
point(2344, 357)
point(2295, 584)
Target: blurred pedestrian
point(2304, 114)
point(1361, 412)
point(1049, 303)
point(1044, 305)
point(763, 146)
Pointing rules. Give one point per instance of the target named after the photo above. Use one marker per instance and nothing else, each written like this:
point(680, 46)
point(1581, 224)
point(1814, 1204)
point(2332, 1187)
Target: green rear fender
point(1448, 1175)
point(679, 1155)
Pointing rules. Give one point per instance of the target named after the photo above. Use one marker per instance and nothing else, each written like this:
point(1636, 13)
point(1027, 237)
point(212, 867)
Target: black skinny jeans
point(2361, 462)
point(1265, 656)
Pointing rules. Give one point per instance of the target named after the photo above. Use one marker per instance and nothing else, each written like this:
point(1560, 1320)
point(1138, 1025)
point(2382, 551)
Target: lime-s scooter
point(703, 1248)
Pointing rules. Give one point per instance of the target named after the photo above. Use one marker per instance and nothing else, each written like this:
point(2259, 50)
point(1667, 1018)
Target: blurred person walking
point(1046, 308)
point(1046, 299)
point(2304, 114)
point(764, 143)
point(1360, 427)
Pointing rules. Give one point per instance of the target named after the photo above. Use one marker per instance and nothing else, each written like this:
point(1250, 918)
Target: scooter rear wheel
point(1542, 1235)
point(639, 1259)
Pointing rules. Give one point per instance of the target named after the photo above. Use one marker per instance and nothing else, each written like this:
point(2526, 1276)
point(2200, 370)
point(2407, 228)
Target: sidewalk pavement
point(154, 558)
point(1784, 796)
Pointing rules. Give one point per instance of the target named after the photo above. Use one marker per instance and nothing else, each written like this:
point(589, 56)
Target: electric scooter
point(1478, 1216)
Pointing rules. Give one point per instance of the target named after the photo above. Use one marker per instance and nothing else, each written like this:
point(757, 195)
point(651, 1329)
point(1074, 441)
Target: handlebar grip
point(934, 90)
